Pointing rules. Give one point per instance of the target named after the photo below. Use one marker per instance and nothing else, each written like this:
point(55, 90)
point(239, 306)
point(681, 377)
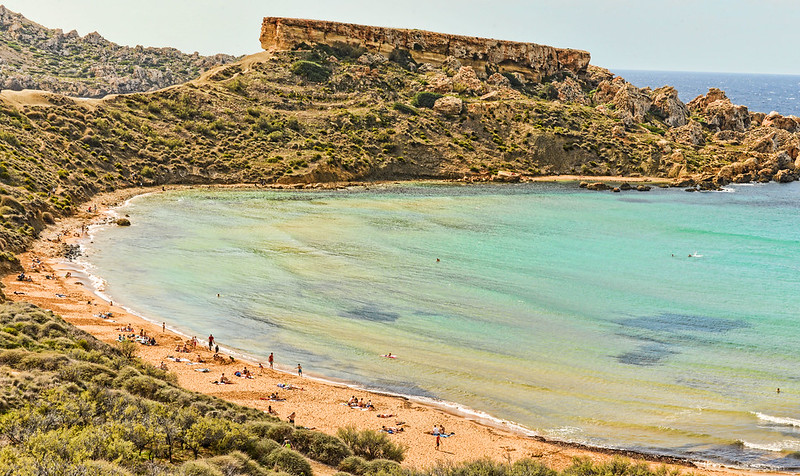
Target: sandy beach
point(61, 287)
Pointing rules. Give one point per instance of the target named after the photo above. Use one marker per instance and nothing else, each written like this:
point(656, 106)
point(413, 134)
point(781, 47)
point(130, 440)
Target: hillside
point(320, 114)
point(35, 57)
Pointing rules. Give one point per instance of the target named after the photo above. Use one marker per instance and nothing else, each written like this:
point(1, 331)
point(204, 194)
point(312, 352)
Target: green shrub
point(353, 465)
point(529, 467)
point(199, 468)
point(260, 449)
point(312, 71)
point(238, 463)
point(384, 467)
point(280, 432)
point(148, 172)
point(260, 428)
point(321, 447)
point(371, 444)
point(425, 99)
point(289, 461)
point(143, 386)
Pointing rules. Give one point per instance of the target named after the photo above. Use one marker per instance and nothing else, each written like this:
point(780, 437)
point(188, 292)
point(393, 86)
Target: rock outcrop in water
point(529, 59)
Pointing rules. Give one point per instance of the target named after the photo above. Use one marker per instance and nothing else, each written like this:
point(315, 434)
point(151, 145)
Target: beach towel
point(201, 370)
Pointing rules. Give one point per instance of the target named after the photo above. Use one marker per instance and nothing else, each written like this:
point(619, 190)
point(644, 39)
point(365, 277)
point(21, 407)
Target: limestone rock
point(372, 59)
point(633, 100)
point(788, 123)
point(690, 134)
point(498, 79)
point(532, 60)
point(451, 63)
point(607, 89)
point(598, 186)
point(719, 112)
point(667, 105)
point(784, 176)
point(467, 82)
point(448, 106)
point(570, 90)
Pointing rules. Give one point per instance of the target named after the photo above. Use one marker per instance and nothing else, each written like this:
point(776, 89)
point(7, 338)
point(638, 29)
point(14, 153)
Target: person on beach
point(271, 359)
point(438, 441)
point(163, 327)
point(210, 341)
point(216, 349)
point(290, 418)
point(299, 370)
point(260, 368)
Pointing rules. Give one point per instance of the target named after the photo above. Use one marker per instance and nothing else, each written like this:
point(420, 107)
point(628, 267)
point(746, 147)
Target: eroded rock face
point(720, 112)
point(787, 123)
point(667, 105)
point(532, 60)
point(689, 134)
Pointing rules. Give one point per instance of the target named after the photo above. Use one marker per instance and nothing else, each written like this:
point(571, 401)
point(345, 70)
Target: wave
point(785, 421)
point(775, 447)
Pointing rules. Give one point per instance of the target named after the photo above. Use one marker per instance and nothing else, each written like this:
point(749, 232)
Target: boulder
point(498, 79)
point(448, 106)
point(607, 89)
point(123, 222)
point(667, 105)
point(787, 123)
point(598, 186)
point(507, 177)
point(372, 59)
point(467, 82)
point(643, 188)
point(452, 64)
point(784, 176)
point(690, 134)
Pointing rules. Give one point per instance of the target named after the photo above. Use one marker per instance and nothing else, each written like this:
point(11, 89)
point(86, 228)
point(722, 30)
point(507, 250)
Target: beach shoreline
point(320, 405)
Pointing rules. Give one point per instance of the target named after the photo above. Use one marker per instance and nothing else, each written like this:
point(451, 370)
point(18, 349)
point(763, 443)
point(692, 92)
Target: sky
point(738, 36)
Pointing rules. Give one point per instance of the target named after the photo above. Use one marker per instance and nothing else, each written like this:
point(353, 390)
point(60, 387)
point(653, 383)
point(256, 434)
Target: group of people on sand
point(359, 403)
point(141, 338)
point(243, 373)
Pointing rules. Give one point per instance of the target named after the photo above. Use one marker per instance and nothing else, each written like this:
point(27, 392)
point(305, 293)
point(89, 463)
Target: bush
point(425, 99)
point(321, 447)
point(371, 444)
point(238, 463)
point(529, 467)
point(260, 428)
point(261, 449)
point(148, 172)
point(199, 468)
point(289, 461)
point(383, 467)
point(312, 71)
point(353, 465)
point(280, 432)
point(143, 386)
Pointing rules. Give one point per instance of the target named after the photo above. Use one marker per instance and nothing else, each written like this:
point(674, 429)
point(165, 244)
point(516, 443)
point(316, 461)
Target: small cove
point(579, 315)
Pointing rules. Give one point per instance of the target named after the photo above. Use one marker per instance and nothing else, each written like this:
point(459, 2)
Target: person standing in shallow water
point(271, 360)
point(210, 341)
point(299, 370)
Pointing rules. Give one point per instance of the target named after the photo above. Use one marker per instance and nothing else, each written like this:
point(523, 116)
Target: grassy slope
point(257, 121)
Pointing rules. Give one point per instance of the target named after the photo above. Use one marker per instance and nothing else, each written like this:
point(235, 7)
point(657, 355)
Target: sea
point(759, 92)
point(663, 322)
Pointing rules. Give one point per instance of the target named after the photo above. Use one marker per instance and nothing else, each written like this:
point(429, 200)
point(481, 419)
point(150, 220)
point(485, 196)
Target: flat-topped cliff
point(532, 60)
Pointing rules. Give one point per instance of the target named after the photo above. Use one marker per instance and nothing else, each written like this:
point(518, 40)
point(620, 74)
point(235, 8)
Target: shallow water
point(577, 314)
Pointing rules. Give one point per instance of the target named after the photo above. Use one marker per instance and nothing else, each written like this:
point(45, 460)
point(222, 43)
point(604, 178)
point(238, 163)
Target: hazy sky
point(684, 35)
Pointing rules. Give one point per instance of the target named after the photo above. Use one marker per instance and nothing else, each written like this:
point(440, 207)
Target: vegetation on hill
point(35, 57)
point(70, 405)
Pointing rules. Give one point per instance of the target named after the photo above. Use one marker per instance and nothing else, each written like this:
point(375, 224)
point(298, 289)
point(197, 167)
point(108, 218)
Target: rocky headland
point(35, 57)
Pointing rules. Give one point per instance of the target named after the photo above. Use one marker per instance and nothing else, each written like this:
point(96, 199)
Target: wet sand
point(318, 404)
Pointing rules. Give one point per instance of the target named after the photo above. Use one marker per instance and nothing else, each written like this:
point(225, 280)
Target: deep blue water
point(759, 92)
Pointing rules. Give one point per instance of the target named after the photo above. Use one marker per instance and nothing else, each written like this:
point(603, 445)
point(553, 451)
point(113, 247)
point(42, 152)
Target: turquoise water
point(576, 314)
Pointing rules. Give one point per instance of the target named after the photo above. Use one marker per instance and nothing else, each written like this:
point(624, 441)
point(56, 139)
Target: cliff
point(533, 61)
point(35, 57)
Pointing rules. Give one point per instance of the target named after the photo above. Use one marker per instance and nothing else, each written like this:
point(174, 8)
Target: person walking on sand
point(438, 441)
point(163, 327)
point(299, 370)
point(271, 359)
point(210, 341)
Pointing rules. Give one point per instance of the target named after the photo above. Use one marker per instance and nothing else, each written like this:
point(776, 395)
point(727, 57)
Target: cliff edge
point(533, 61)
